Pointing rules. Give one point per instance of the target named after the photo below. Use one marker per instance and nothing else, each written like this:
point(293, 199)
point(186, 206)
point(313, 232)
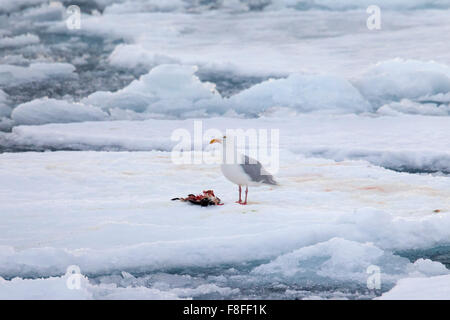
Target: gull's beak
point(214, 141)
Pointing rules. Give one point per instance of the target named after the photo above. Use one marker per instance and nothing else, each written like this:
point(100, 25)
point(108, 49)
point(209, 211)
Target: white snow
point(45, 110)
point(432, 288)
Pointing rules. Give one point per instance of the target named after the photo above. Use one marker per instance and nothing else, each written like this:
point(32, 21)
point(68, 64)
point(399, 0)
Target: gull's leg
point(240, 200)
point(246, 192)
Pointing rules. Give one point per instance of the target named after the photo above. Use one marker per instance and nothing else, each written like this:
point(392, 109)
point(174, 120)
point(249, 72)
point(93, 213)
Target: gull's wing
point(256, 172)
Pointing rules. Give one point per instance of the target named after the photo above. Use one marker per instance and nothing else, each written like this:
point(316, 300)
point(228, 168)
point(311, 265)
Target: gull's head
point(218, 140)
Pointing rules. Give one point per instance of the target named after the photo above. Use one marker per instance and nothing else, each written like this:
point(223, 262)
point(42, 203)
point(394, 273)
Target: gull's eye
point(224, 137)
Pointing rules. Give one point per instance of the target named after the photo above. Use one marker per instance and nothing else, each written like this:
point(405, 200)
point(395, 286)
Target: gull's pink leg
point(240, 200)
point(246, 192)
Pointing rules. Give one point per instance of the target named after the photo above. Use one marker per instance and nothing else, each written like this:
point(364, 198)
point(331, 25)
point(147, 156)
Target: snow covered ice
point(86, 174)
point(109, 213)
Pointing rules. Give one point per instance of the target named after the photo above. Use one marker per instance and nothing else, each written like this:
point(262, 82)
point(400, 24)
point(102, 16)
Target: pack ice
point(364, 150)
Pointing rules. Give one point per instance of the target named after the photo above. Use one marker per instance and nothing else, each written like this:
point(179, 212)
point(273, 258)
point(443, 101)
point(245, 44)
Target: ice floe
point(432, 288)
point(167, 89)
point(304, 93)
point(347, 108)
point(397, 79)
point(404, 143)
point(41, 111)
point(14, 75)
point(121, 219)
point(175, 91)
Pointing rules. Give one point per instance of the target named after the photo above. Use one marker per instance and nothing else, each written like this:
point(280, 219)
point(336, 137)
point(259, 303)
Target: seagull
point(246, 172)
